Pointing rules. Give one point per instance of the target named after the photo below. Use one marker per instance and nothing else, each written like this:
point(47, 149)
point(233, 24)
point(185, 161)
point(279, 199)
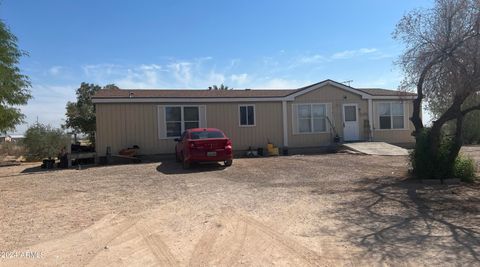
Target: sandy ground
point(322, 210)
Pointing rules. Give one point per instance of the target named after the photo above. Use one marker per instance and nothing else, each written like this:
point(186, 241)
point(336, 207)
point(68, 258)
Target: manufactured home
point(306, 118)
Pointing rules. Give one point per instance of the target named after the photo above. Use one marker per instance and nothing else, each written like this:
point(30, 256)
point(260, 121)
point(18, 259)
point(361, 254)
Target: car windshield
point(206, 135)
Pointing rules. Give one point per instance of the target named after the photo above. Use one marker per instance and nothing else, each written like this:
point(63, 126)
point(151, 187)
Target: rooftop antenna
point(348, 82)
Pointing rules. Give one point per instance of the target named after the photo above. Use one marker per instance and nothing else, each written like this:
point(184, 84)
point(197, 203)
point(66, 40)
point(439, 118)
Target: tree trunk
point(457, 143)
point(443, 164)
point(453, 112)
point(417, 106)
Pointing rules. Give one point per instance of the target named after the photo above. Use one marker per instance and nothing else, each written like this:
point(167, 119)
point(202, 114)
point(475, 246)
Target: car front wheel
point(186, 164)
point(177, 158)
point(228, 162)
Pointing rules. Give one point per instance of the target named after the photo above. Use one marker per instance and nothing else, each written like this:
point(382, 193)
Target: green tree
point(471, 128)
point(221, 87)
point(13, 84)
point(111, 87)
point(442, 63)
point(43, 141)
point(471, 122)
point(81, 114)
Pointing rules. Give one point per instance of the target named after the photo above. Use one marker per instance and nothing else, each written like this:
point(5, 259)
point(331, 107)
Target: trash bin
point(48, 163)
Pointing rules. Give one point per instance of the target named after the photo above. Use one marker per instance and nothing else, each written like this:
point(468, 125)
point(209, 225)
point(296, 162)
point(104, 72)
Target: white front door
point(350, 122)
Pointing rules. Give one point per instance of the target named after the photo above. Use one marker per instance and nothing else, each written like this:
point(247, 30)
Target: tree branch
point(470, 109)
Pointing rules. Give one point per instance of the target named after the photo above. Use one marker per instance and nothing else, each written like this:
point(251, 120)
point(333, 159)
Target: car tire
point(228, 162)
point(177, 158)
point(185, 164)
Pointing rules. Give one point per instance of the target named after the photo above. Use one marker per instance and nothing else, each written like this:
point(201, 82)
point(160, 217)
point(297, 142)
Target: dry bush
point(12, 149)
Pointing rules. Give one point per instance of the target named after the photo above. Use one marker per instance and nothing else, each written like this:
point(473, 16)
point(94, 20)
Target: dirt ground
point(322, 210)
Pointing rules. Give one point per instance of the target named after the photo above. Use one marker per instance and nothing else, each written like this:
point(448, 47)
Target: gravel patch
point(335, 209)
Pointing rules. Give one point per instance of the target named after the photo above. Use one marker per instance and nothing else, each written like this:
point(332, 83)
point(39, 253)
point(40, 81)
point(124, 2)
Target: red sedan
point(203, 145)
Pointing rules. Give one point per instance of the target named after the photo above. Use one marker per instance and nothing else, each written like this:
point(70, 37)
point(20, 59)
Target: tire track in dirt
point(201, 251)
point(157, 246)
point(116, 231)
point(238, 242)
point(309, 256)
point(231, 247)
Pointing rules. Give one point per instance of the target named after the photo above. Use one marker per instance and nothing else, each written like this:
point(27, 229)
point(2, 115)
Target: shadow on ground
point(397, 220)
point(173, 167)
point(38, 168)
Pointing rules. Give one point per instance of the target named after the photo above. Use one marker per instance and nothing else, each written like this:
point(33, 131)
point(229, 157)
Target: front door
point(350, 122)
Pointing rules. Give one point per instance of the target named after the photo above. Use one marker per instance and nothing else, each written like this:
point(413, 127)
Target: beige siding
point(268, 125)
point(124, 125)
point(337, 97)
point(394, 135)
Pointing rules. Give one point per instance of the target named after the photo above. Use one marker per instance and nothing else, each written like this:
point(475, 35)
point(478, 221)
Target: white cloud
point(55, 70)
point(137, 79)
point(367, 50)
point(239, 79)
point(182, 72)
point(353, 53)
point(215, 78)
point(48, 104)
point(150, 67)
point(99, 73)
point(387, 80)
point(313, 59)
point(280, 83)
point(281, 71)
point(346, 54)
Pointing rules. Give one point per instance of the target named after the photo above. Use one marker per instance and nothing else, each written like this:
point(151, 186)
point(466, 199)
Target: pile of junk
point(271, 150)
point(74, 154)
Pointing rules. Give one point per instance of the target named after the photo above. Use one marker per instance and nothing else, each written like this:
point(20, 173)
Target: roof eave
point(188, 100)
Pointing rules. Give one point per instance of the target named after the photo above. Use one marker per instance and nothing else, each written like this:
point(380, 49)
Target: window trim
point(182, 120)
point(391, 116)
point(240, 115)
point(297, 131)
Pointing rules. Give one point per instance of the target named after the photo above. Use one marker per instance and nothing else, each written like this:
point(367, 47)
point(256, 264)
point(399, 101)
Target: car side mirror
point(177, 139)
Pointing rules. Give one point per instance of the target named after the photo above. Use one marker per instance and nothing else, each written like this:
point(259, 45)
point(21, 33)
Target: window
point(247, 115)
point(178, 119)
point(391, 115)
point(311, 118)
point(206, 135)
point(191, 117)
point(350, 113)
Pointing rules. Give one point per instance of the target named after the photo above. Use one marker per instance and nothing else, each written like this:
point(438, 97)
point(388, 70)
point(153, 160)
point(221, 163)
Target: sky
point(195, 44)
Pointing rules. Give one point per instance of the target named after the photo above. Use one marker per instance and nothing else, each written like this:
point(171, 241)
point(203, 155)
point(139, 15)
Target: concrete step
point(377, 148)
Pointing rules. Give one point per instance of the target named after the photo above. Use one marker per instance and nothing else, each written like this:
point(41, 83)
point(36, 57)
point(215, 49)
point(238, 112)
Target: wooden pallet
point(82, 155)
point(133, 159)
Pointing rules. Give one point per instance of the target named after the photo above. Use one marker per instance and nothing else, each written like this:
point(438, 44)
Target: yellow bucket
point(273, 151)
point(269, 147)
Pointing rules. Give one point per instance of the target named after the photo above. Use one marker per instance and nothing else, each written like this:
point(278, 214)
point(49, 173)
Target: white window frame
point(240, 115)
point(311, 118)
point(182, 121)
point(391, 116)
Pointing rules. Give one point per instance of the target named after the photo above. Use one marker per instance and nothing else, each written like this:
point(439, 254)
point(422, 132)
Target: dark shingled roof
point(191, 93)
point(384, 92)
point(239, 93)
